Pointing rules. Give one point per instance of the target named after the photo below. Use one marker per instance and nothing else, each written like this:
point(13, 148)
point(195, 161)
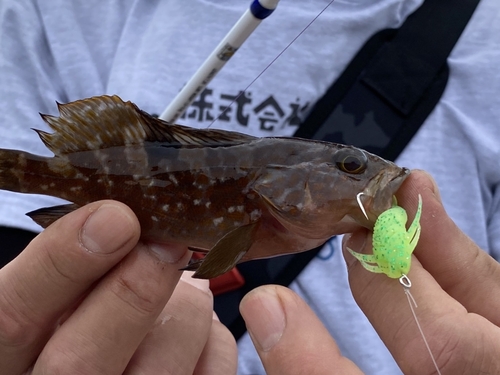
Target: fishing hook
point(360, 204)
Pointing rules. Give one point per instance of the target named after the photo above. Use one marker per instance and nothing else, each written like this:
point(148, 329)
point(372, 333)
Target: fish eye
point(351, 161)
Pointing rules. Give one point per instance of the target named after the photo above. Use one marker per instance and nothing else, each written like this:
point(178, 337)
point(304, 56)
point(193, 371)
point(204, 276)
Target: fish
point(229, 196)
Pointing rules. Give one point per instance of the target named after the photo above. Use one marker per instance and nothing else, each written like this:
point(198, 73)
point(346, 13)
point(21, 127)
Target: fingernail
point(264, 317)
point(106, 230)
point(355, 241)
point(167, 253)
point(201, 284)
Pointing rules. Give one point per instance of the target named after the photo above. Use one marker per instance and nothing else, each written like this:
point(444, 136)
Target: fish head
point(377, 196)
point(330, 189)
point(374, 181)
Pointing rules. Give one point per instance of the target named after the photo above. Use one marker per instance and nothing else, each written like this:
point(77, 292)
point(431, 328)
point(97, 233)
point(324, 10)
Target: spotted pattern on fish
point(230, 195)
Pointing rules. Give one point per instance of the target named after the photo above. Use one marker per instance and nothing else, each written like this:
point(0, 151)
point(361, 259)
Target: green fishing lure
point(392, 243)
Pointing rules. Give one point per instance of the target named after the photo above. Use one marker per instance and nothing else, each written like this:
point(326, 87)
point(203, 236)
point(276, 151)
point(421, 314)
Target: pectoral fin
point(46, 216)
point(226, 253)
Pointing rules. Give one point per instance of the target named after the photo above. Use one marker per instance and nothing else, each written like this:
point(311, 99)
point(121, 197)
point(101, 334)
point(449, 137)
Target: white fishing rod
point(248, 22)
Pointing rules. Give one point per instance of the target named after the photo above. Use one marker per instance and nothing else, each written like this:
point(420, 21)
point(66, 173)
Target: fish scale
point(232, 196)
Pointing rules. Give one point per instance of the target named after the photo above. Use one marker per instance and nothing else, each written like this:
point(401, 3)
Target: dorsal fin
point(107, 121)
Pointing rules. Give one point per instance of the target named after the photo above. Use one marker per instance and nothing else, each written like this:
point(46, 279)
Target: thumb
point(288, 336)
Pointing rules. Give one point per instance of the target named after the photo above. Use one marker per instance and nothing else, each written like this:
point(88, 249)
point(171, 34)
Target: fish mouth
point(382, 188)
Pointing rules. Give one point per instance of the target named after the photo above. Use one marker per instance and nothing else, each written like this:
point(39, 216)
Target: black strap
point(378, 103)
point(393, 83)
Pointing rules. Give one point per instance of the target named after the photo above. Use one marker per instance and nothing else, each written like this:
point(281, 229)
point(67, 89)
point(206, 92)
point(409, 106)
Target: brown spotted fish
point(232, 196)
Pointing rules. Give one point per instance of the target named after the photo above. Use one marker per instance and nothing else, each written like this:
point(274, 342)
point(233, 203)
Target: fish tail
point(14, 167)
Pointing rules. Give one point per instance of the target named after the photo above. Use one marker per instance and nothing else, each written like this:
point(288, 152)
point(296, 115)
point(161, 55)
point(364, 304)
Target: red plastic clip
point(227, 282)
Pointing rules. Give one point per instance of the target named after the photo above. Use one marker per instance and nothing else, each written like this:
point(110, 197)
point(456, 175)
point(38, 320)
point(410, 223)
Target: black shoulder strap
point(378, 104)
point(393, 83)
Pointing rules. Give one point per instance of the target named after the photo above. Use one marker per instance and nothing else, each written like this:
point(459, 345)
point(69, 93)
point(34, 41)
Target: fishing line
point(406, 283)
point(404, 280)
point(271, 63)
point(389, 233)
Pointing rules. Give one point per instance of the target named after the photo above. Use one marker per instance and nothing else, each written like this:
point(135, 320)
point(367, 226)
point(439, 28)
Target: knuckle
point(58, 268)
point(137, 295)
point(16, 331)
point(63, 361)
point(194, 299)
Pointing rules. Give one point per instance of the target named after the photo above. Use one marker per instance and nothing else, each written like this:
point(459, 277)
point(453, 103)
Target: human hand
point(85, 297)
point(455, 284)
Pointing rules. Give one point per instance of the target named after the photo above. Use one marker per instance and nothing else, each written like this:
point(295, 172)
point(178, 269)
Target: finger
point(461, 343)
point(288, 336)
point(178, 336)
point(384, 303)
point(455, 337)
point(107, 327)
point(220, 355)
point(56, 268)
point(463, 270)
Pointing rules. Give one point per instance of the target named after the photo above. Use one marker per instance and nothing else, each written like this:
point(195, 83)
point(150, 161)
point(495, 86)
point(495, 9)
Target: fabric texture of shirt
point(145, 51)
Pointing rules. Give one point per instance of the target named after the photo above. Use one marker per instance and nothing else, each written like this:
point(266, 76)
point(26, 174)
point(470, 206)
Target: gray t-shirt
point(144, 51)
